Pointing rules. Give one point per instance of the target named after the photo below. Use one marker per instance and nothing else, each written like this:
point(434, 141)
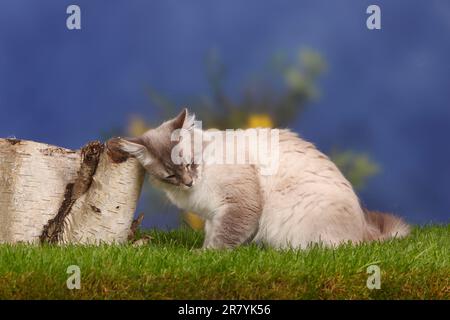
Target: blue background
point(386, 92)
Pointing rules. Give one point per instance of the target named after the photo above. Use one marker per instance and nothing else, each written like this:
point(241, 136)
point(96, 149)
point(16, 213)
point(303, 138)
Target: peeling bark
point(135, 226)
point(90, 155)
point(51, 194)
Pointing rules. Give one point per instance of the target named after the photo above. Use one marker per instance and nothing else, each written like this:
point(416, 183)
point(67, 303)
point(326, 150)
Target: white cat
point(306, 201)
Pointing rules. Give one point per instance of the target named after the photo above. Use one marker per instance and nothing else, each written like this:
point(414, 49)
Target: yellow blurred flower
point(194, 221)
point(136, 126)
point(259, 120)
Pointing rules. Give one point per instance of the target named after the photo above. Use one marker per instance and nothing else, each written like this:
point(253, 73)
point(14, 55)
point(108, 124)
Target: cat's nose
point(189, 184)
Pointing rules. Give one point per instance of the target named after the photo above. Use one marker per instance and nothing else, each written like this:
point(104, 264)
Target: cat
point(306, 201)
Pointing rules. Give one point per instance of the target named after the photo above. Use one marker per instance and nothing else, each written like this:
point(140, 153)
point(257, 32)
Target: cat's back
point(308, 198)
point(301, 162)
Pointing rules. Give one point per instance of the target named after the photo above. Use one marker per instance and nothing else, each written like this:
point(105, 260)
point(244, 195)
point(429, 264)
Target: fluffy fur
point(307, 201)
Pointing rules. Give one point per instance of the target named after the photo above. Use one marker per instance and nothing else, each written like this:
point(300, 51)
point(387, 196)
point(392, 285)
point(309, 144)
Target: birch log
point(56, 195)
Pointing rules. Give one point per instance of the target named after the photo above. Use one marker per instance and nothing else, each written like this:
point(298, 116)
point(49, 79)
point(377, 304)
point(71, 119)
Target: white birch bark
point(35, 178)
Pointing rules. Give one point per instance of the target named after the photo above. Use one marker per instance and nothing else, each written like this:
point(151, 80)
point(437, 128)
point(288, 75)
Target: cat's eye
point(170, 177)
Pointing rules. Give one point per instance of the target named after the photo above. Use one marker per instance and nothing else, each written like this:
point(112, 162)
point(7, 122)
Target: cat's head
point(156, 148)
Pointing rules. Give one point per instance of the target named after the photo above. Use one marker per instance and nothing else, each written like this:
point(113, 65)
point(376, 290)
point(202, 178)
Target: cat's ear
point(184, 120)
point(136, 148)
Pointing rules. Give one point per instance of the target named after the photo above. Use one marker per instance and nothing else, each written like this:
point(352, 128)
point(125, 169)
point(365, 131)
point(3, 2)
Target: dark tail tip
point(387, 225)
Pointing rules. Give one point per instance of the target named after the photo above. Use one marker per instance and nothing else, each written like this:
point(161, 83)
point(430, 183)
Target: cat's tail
point(382, 226)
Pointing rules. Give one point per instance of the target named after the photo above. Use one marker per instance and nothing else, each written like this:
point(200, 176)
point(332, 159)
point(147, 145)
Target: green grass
point(417, 267)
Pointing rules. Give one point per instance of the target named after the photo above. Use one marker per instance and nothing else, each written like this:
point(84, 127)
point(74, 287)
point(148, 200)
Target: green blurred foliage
point(355, 166)
point(282, 91)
